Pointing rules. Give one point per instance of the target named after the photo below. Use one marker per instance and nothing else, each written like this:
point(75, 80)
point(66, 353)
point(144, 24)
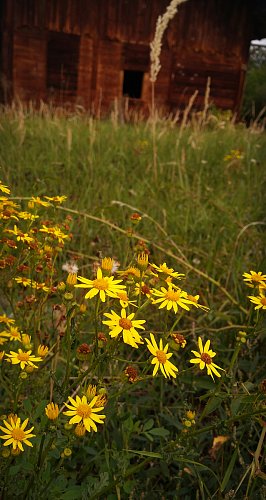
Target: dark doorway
point(132, 84)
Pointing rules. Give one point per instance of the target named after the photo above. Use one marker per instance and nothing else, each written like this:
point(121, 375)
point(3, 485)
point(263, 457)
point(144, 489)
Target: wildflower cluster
point(73, 333)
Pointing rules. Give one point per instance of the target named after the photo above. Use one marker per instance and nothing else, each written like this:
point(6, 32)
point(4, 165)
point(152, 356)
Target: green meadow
point(198, 188)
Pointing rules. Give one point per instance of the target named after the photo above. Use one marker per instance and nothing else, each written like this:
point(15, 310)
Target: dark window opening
point(62, 64)
point(132, 84)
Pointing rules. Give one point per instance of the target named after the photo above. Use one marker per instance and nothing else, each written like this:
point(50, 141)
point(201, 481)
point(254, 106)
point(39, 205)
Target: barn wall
point(105, 38)
point(29, 66)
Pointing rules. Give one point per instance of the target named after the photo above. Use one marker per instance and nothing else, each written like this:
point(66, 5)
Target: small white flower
point(70, 267)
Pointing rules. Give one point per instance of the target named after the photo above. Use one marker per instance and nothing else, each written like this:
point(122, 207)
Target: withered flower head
point(131, 373)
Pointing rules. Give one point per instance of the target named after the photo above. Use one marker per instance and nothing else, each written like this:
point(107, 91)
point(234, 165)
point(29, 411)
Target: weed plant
point(105, 294)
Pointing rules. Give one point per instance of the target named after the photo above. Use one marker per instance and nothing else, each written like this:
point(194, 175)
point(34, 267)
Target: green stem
point(68, 346)
point(96, 326)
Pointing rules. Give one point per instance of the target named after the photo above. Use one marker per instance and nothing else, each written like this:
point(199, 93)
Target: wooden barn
point(96, 52)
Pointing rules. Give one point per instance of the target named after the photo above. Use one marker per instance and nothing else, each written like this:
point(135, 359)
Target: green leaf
point(72, 493)
point(15, 469)
point(148, 436)
point(128, 486)
point(229, 470)
point(27, 405)
point(213, 403)
point(150, 454)
point(148, 425)
point(159, 431)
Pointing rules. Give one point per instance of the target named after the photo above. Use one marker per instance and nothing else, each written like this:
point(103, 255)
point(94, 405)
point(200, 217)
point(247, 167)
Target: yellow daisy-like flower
point(26, 341)
point(3, 337)
point(171, 298)
point(23, 281)
point(27, 216)
point(254, 279)
point(102, 285)
point(126, 325)
point(82, 411)
point(56, 199)
point(23, 358)
point(36, 200)
point(16, 434)
point(52, 411)
point(168, 271)
point(4, 319)
point(4, 188)
point(130, 272)
point(194, 299)
point(161, 358)
point(260, 301)
point(42, 350)
point(124, 300)
point(204, 358)
point(14, 333)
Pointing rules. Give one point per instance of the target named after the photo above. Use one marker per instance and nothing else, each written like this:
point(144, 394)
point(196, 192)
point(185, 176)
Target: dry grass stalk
point(156, 44)
point(156, 47)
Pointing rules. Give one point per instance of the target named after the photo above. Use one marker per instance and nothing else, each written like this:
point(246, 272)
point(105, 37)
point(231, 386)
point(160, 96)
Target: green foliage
point(255, 86)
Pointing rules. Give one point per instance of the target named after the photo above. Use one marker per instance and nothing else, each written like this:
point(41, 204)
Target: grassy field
point(202, 207)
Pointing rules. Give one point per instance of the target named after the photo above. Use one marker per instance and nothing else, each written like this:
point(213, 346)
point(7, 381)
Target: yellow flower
point(2, 353)
point(23, 358)
point(204, 358)
point(4, 188)
point(54, 232)
point(171, 298)
point(102, 285)
point(91, 392)
point(143, 261)
point(14, 333)
point(130, 272)
point(71, 279)
point(81, 411)
point(126, 325)
point(194, 299)
point(52, 411)
point(40, 286)
point(168, 271)
point(6, 320)
point(37, 201)
point(80, 430)
point(259, 301)
point(42, 351)
point(107, 265)
point(27, 216)
point(161, 358)
point(254, 279)
point(124, 300)
point(235, 154)
point(26, 341)
point(56, 199)
point(16, 434)
point(23, 281)
point(191, 415)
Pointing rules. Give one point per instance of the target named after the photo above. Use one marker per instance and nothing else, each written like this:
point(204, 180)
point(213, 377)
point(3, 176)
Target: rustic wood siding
point(100, 39)
point(62, 66)
point(29, 66)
